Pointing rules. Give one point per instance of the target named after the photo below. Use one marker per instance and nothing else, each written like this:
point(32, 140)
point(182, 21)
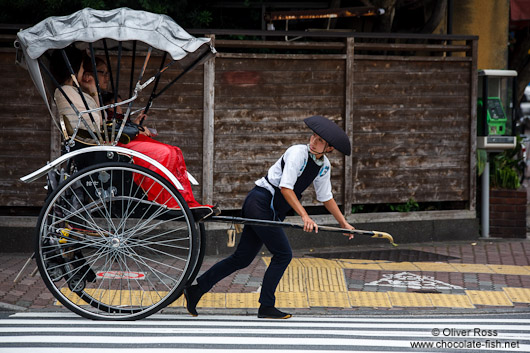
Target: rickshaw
point(104, 248)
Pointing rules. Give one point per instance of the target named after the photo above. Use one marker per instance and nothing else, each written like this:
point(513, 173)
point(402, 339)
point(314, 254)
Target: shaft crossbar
point(267, 223)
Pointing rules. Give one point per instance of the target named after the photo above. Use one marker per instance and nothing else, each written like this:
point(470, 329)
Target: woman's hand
point(139, 118)
point(88, 85)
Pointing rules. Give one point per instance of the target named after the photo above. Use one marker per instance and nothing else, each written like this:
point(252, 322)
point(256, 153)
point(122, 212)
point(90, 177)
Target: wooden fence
point(408, 103)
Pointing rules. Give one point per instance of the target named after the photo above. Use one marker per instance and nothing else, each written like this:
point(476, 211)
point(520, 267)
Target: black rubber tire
point(99, 224)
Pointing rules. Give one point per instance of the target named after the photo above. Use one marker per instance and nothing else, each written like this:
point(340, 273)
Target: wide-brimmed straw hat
point(330, 132)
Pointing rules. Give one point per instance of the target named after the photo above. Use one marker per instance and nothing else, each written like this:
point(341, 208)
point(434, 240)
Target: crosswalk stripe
point(58, 332)
point(339, 320)
point(264, 323)
point(241, 331)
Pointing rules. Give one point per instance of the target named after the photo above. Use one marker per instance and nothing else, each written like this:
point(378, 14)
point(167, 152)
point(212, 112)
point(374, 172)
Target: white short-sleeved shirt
point(295, 159)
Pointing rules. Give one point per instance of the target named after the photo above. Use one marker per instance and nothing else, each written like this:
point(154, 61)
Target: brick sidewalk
point(464, 275)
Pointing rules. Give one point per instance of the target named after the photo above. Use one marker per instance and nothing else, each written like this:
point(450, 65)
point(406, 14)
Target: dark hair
point(107, 97)
point(87, 64)
point(58, 67)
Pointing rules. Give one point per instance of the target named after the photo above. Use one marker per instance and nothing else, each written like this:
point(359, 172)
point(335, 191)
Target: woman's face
point(103, 77)
point(80, 74)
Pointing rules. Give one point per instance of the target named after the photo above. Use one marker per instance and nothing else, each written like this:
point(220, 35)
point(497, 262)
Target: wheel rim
point(120, 254)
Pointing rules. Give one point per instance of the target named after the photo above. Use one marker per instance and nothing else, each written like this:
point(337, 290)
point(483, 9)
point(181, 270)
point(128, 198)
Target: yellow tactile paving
point(406, 299)
point(361, 261)
point(292, 300)
point(295, 262)
point(317, 262)
point(491, 298)
point(242, 300)
point(308, 262)
point(359, 264)
point(212, 300)
point(518, 295)
point(364, 265)
point(325, 279)
point(369, 299)
point(473, 268)
point(74, 298)
point(293, 279)
point(399, 266)
point(116, 297)
point(450, 300)
point(178, 303)
point(314, 282)
point(509, 270)
point(325, 299)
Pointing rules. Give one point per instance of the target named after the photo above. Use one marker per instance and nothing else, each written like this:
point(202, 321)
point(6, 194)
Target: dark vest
point(281, 207)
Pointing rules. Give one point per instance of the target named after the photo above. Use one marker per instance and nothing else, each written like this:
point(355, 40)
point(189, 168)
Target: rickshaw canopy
point(122, 24)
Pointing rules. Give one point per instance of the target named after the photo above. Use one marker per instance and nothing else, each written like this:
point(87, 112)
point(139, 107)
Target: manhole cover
point(397, 255)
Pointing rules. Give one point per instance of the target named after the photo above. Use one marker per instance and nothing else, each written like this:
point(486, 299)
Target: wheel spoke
point(108, 251)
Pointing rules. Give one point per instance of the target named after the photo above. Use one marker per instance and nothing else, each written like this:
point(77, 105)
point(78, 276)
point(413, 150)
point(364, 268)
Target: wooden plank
point(414, 58)
point(412, 89)
point(473, 77)
point(208, 147)
point(419, 67)
point(291, 63)
point(272, 90)
point(349, 78)
point(269, 75)
point(254, 44)
point(423, 101)
point(278, 102)
point(280, 56)
point(411, 47)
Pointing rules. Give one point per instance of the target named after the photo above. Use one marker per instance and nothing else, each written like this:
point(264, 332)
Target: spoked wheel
point(106, 251)
point(200, 256)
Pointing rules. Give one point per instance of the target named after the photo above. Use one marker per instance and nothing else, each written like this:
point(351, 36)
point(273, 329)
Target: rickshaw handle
point(267, 223)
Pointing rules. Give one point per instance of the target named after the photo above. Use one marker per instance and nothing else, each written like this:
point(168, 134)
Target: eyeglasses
point(104, 73)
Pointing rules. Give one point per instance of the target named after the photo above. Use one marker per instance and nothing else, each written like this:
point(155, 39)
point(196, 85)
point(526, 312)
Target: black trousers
point(257, 205)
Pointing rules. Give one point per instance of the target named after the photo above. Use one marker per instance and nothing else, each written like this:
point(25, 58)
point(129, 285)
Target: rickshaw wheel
point(105, 251)
point(199, 259)
point(200, 256)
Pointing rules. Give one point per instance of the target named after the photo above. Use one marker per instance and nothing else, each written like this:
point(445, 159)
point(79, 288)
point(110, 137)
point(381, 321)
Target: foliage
point(200, 18)
point(357, 208)
point(410, 206)
point(33, 11)
point(482, 158)
point(505, 170)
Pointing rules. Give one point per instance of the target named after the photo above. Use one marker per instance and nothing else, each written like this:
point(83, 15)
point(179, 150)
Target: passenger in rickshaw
point(169, 156)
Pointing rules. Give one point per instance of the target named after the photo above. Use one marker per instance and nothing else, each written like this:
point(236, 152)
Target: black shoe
point(193, 294)
point(270, 312)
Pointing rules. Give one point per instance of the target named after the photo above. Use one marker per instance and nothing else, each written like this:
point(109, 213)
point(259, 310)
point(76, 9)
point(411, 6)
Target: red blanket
point(171, 158)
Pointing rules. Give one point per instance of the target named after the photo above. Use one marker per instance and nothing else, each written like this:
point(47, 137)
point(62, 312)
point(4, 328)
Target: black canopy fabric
point(330, 132)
